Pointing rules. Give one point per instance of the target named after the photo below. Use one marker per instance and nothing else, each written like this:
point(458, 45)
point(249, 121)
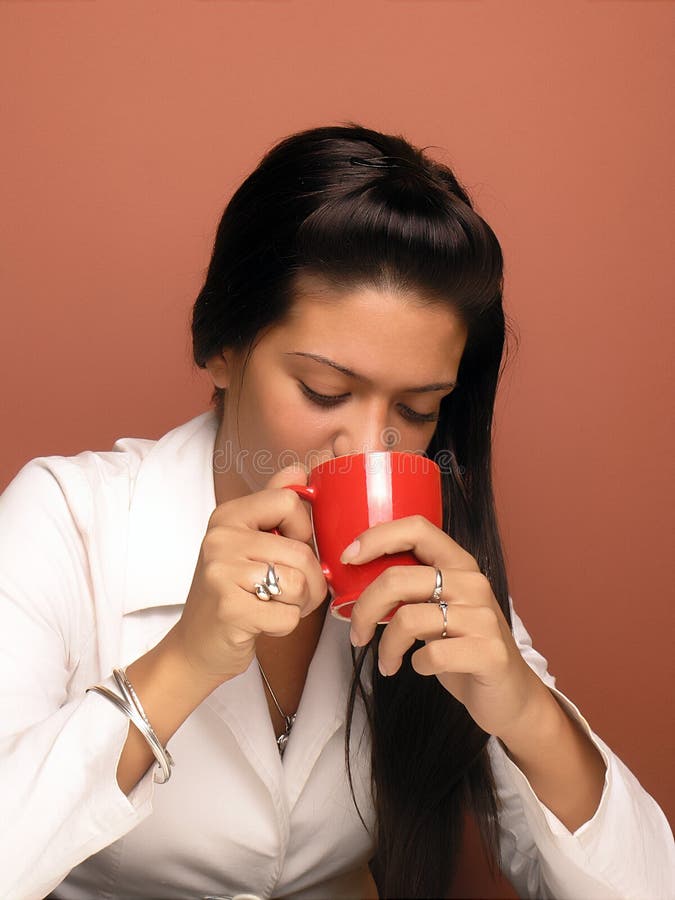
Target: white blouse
point(97, 554)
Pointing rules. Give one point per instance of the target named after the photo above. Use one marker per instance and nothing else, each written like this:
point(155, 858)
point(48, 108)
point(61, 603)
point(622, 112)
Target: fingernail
point(353, 637)
point(350, 552)
point(382, 671)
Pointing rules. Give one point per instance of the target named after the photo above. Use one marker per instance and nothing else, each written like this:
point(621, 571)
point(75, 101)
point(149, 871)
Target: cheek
point(281, 422)
point(407, 439)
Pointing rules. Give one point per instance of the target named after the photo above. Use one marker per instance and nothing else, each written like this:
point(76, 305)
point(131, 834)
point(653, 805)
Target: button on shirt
point(97, 556)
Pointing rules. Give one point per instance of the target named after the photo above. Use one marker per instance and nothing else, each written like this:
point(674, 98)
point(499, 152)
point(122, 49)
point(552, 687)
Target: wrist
point(563, 766)
point(537, 728)
point(168, 689)
point(169, 669)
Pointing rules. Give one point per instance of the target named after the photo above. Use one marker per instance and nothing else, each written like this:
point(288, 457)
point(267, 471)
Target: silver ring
point(272, 581)
point(270, 586)
point(436, 596)
point(443, 606)
point(261, 592)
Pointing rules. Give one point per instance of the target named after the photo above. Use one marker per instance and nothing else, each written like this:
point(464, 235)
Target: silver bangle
point(131, 706)
point(130, 694)
point(165, 759)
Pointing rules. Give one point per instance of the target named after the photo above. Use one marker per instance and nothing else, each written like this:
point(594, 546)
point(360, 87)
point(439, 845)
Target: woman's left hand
point(479, 662)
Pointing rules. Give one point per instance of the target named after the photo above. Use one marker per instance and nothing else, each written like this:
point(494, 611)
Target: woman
point(353, 302)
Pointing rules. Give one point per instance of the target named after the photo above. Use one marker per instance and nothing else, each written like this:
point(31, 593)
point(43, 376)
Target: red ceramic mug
point(348, 495)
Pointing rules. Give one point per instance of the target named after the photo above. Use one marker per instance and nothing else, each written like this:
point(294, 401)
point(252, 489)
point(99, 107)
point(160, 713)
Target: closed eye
point(322, 399)
point(329, 400)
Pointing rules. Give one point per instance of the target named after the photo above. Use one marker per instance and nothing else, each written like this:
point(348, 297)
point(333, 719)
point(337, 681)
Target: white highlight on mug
point(378, 487)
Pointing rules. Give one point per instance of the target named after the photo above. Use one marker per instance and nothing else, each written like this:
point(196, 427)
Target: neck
point(228, 481)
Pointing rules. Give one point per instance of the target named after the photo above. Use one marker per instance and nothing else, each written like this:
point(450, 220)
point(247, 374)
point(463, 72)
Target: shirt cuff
point(96, 812)
point(138, 802)
point(625, 850)
point(544, 816)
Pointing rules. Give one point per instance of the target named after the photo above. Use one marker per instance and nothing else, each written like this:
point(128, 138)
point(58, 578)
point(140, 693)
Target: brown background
point(126, 127)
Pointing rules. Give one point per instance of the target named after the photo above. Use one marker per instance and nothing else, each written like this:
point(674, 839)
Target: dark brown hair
point(360, 208)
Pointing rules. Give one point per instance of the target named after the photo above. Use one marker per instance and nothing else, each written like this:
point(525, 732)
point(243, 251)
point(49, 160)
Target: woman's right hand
point(222, 616)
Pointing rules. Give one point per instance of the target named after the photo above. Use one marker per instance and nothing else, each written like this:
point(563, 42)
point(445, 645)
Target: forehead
point(370, 328)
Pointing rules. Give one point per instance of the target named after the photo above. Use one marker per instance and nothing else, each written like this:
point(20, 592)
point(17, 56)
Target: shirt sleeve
point(624, 852)
point(58, 750)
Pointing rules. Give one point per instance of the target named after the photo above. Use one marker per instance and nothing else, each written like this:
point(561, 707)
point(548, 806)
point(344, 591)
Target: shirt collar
point(171, 501)
point(242, 703)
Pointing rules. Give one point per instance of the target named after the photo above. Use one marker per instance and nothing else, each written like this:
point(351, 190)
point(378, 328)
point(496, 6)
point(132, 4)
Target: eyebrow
point(434, 386)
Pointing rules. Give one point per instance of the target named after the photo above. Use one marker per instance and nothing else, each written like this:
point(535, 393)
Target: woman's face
point(384, 359)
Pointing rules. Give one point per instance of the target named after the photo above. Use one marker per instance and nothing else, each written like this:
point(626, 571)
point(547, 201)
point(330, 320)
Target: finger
point(264, 547)
point(430, 544)
point(293, 474)
point(267, 509)
point(245, 613)
point(292, 583)
point(461, 655)
point(301, 562)
point(424, 622)
point(414, 584)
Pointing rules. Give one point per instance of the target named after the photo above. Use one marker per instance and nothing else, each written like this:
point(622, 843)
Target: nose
point(367, 430)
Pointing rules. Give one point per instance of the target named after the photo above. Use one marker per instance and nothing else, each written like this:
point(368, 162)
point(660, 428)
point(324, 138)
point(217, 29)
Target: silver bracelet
point(130, 695)
point(131, 706)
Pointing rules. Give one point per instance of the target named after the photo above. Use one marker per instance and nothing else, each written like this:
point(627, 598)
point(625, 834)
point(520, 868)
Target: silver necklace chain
point(282, 740)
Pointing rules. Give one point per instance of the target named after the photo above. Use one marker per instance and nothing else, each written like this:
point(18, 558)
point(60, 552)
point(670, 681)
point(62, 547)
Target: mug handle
point(302, 490)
